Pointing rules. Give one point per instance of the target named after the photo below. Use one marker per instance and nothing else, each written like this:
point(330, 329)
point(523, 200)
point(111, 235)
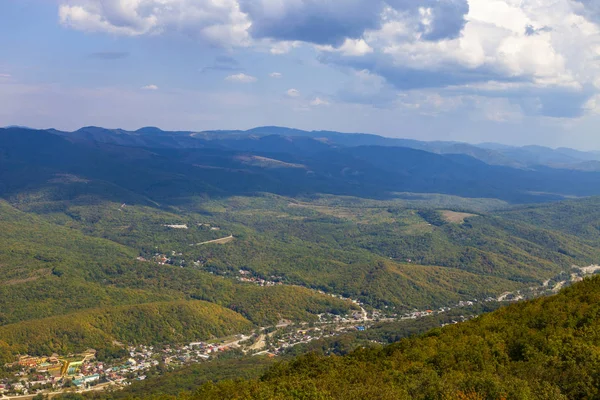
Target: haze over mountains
point(455, 258)
point(490, 153)
point(292, 162)
point(113, 239)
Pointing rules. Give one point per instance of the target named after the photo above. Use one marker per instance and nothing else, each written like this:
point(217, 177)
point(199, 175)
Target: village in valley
point(51, 374)
point(47, 375)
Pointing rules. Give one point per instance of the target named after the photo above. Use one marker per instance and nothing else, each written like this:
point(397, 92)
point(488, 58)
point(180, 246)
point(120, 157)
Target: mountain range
point(292, 162)
point(111, 238)
point(490, 153)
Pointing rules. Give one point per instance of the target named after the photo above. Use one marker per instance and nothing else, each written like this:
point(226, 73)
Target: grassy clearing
point(456, 217)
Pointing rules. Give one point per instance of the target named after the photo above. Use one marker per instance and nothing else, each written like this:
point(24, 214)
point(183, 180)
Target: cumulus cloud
point(365, 87)
point(331, 22)
point(237, 22)
point(276, 75)
point(350, 48)
point(546, 51)
point(317, 101)
point(241, 78)
point(589, 9)
point(293, 93)
point(149, 87)
point(593, 105)
point(314, 21)
point(282, 47)
point(219, 22)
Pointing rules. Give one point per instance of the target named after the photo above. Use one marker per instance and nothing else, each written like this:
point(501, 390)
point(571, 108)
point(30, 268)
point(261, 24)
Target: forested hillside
point(382, 253)
point(148, 324)
point(110, 239)
point(49, 270)
point(580, 218)
point(541, 349)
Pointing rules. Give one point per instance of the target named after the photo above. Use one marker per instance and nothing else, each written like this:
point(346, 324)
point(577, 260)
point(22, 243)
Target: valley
point(277, 247)
point(299, 200)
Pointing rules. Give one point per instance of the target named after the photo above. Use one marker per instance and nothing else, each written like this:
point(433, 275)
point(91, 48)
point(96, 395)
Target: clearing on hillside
point(224, 240)
point(456, 217)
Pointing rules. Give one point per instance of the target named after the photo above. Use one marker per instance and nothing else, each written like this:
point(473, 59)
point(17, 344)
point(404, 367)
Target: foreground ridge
point(540, 349)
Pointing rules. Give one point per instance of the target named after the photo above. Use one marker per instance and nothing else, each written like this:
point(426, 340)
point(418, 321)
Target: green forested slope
point(49, 270)
point(579, 217)
point(547, 348)
point(148, 324)
point(190, 378)
point(382, 253)
point(69, 254)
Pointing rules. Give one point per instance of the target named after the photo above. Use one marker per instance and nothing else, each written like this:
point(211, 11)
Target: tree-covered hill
point(149, 324)
point(385, 253)
point(580, 218)
point(84, 219)
point(382, 253)
point(53, 271)
point(542, 349)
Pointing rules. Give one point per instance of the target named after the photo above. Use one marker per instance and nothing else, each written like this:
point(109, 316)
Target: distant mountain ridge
point(156, 164)
point(490, 153)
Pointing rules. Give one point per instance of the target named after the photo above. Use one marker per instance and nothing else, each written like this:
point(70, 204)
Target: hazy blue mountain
point(490, 153)
point(163, 167)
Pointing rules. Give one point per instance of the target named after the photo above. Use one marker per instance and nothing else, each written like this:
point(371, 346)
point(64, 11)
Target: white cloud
point(355, 47)
point(283, 47)
point(149, 87)
point(590, 9)
point(276, 75)
point(219, 22)
point(317, 101)
point(547, 51)
point(241, 78)
point(498, 110)
point(593, 105)
point(365, 87)
point(293, 93)
point(238, 22)
point(409, 45)
point(495, 38)
point(429, 103)
point(331, 22)
point(5, 76)
point(350, 47)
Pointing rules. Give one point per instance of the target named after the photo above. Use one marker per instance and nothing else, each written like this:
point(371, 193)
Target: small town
point(48, 375)
point(54, 374)
point(82, 372)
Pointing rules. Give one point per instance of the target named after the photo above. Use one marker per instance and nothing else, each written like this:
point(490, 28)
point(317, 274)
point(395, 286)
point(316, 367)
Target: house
point(74, 367)
point(86, 380)
point(27, 361)
point(91, 378)
point(17, 387)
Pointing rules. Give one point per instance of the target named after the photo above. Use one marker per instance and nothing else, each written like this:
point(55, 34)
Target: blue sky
point(509, 71)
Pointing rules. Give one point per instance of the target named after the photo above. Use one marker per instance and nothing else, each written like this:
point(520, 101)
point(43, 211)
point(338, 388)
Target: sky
point(509, 71)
